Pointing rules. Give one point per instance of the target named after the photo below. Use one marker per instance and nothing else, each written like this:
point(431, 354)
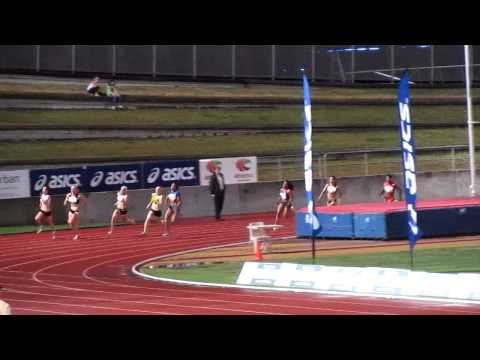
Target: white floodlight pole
point(471, 142)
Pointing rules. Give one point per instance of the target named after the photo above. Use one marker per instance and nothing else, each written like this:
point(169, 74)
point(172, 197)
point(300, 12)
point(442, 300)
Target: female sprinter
point(332, 190)
point(75, 201)
point(45, 212)
point(155, 208)
point(389, 187)
point(285, 202)
point(174, 202)
point(121, 207)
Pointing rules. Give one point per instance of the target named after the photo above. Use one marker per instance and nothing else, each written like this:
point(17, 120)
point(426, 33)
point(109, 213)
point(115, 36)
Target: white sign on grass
point(380, 281)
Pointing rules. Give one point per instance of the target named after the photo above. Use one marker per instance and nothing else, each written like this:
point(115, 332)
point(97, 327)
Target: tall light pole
point(471, 141)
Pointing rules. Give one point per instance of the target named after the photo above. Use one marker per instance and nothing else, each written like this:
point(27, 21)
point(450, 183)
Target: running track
point(40, 276)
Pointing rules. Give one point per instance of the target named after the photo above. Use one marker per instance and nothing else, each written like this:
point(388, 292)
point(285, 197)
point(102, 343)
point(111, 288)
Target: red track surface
point(92, 276)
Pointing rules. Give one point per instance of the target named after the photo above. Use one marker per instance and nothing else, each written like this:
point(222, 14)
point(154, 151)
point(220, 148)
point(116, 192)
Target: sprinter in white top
point(121, 209)
point(45, 213)
point(75, 201)
point(174, 203)
point(332, 190)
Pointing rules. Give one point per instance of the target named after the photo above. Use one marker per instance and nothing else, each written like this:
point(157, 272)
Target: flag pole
point(313, 249)
point(411, 258)
point(307, 120)
point(471, 140)
point(407, 145)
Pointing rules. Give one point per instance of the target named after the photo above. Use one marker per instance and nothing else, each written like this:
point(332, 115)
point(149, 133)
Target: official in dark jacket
point(217, 190)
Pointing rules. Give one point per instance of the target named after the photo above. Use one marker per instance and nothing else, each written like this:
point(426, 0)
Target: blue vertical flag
point(408, 160)
point(311, 216)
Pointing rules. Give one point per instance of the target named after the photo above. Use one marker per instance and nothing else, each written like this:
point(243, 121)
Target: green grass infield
point(439, 260)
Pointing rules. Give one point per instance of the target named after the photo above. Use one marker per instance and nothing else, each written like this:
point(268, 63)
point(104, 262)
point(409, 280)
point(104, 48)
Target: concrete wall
point(239, 199)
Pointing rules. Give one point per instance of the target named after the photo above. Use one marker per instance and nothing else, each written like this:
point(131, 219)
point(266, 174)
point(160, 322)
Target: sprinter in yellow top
point(155, 208)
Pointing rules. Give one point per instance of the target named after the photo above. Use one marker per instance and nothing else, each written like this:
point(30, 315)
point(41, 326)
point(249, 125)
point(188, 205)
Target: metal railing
point(323, 63)
point(363, 163)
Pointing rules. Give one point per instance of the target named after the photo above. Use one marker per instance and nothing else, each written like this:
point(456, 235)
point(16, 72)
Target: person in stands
point(113, 93)
point(93, 88)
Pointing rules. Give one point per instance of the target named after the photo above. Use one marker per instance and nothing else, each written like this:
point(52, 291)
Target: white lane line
point(41, 311)
point(101, 253)
point(35, 278)
point(171, 305)
point(85, 274)
point(95, 242)
point(159, 247)
point(411, 305)
point(178, 298)
point(88, 306)
point(216, 293)
point(269, 289)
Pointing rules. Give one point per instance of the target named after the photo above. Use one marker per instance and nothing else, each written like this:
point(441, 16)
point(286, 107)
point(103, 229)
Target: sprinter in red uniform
point(389, 187)
point(285, 203)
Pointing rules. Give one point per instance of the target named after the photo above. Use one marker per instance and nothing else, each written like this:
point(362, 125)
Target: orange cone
point(258, 252)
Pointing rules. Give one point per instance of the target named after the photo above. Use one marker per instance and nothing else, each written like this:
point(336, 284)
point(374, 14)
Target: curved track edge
point(138, 273)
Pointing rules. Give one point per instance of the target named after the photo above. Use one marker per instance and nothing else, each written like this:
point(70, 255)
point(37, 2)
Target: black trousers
point(219, 199)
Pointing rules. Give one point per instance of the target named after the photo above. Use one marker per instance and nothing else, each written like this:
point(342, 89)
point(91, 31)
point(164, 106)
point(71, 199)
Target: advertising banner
point(14, 184)
point(408, 157)
point(184, 173)
point(112, 177)
point(105, 178)
point(58, 180)
point(239, 170)
point(311, 218)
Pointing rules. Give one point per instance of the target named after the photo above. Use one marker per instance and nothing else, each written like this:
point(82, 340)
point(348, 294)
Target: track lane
point(92, 276)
